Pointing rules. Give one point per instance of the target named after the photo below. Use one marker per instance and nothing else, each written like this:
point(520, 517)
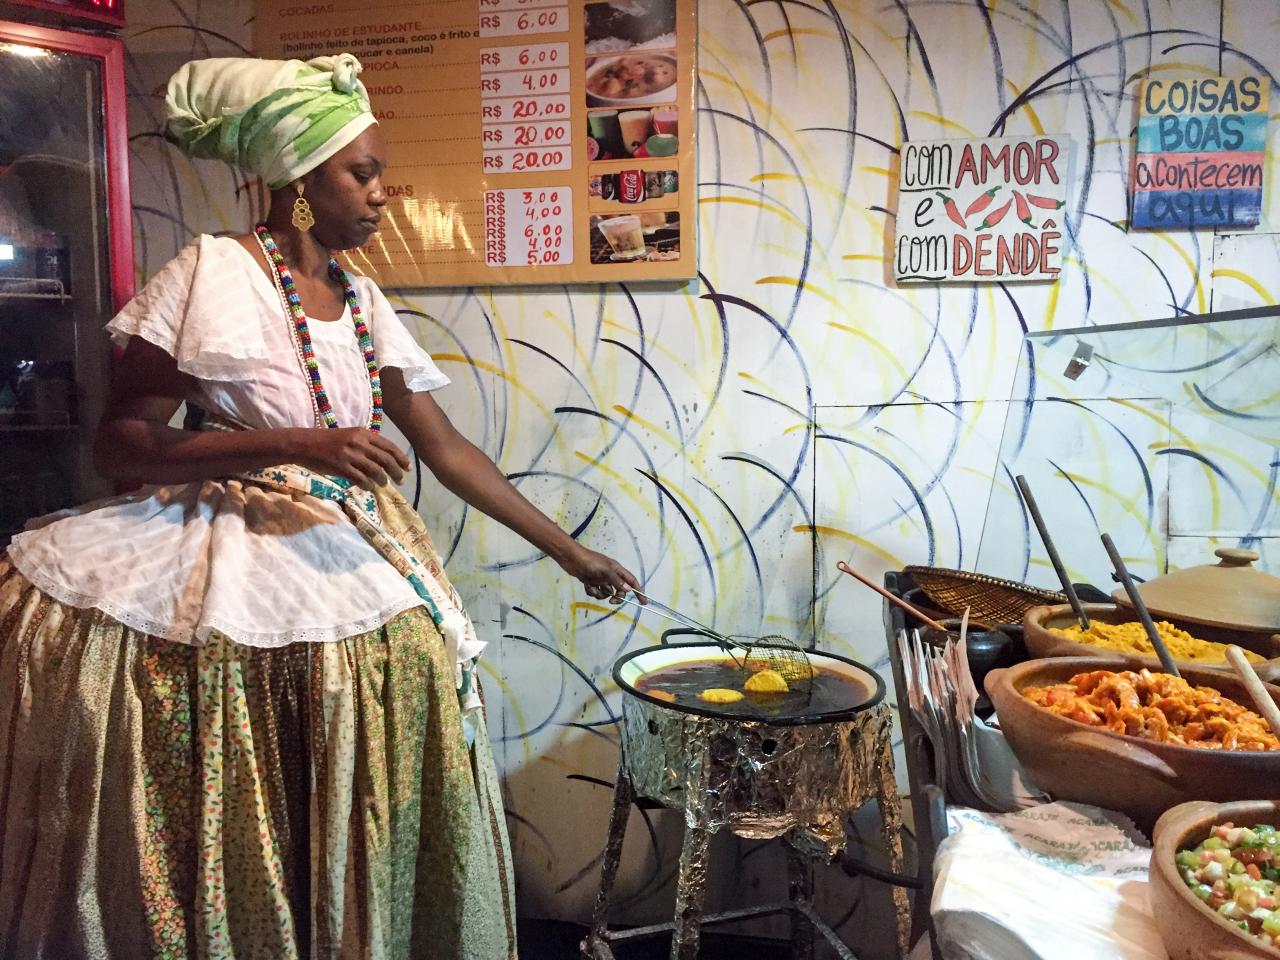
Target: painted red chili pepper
point(982, 202)
point(996, 215)
point(1045, 203)
point(952, 210)
point(1024, 211)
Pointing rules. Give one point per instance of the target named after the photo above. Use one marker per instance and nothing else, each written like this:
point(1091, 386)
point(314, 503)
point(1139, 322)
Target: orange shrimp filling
point(1156, 706)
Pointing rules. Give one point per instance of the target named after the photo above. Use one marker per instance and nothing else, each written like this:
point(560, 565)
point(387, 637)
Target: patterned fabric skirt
point(159, 800)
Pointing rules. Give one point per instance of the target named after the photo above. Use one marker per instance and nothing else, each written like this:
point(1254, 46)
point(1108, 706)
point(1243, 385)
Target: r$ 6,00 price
point(549, 234)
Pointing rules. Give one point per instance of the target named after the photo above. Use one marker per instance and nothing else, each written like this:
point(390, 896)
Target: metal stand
point(686, 925)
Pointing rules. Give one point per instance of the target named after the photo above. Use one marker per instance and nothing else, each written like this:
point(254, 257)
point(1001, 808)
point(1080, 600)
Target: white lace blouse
point(262, 567)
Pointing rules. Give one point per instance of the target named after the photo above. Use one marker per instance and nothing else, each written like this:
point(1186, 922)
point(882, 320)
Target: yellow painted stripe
point(1174, 66)
point(845, 328)
point(817, 291)
point(630, 489)
point(866, 544)
point(708, 530)
point(1123, 8)
point(647, 424)
point(1128, 505)
point(588, 607)
point(1184, 440)
point(813, 186)
point(1032, 118)
point(943, 122)
point(746, 376)
point(760, 204)
point(1247, 280)
point(799, 31)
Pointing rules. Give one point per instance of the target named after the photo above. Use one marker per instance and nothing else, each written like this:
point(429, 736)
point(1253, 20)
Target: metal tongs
point(675, 616)
point(750, 654)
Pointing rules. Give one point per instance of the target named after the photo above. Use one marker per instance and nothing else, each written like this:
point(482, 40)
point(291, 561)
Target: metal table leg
point(691, 888)
point(596, 944)
point(891, 826)
point(800, 893)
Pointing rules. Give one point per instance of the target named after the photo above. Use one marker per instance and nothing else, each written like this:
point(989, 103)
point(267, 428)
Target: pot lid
point(1230, 593)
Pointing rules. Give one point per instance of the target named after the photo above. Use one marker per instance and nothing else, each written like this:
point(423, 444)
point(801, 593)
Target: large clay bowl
point(1042, 640)
point(1190, 930)
point(1073, 761)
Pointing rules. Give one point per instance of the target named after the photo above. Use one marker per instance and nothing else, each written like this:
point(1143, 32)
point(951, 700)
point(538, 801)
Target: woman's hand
point(604, 577)
point(365, 458)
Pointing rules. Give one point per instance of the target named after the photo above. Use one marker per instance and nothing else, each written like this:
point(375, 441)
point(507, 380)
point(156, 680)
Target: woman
point(237, 710)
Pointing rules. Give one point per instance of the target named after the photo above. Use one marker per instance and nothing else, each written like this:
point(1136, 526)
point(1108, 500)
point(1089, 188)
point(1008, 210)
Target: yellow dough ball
point(718, 695)
point(766, 681)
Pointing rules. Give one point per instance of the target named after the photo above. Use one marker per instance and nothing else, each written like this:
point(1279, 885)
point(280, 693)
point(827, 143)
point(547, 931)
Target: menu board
point(531, 141)
point(980, 211)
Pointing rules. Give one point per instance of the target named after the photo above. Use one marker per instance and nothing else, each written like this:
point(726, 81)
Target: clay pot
point(988, 649)
point(1232, 593)
point(1042, 640)
point(1073, 761)
point(1189, 929)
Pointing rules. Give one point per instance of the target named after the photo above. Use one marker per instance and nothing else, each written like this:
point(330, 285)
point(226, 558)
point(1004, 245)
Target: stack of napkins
point(975, 766)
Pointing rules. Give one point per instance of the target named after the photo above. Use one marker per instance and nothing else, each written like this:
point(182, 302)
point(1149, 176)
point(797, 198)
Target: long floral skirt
point(159, 800)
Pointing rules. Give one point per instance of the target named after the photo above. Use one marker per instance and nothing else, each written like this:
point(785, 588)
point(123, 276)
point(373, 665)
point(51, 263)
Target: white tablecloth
point(1055, 882)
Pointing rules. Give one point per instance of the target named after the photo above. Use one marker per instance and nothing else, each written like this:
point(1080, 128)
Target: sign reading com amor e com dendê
point(980, 210)
point(1199, 158)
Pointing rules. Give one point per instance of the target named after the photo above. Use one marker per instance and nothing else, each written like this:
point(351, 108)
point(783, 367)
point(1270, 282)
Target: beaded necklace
point(302, 335)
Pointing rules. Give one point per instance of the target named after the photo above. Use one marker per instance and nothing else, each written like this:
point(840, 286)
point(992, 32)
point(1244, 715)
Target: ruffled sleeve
point(200, 310)
point(394, 345)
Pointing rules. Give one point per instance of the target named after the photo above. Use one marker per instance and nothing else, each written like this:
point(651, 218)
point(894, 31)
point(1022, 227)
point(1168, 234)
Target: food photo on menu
point(636, 133)
point(630, 25)
point(647, 236)
point(631, 58)
point(631, 79)
point(634, 186)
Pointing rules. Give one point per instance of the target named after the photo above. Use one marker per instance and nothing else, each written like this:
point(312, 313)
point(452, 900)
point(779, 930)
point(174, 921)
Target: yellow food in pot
point(720, 695)
point(1132, 638)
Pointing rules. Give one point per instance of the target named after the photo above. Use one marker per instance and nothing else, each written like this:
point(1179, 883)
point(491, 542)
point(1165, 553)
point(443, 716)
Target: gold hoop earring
point(303, 218)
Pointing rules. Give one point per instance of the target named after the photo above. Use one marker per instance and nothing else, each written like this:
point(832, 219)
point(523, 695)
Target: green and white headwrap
point(278, 119)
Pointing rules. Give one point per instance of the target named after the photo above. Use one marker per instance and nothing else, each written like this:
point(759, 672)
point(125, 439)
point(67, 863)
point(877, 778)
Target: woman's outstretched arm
point(465, 470)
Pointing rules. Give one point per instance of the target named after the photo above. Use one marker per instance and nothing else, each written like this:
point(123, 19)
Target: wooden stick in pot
point(1067, 586)
point(1249, 677)
point(1144, 617)
point(934, 624)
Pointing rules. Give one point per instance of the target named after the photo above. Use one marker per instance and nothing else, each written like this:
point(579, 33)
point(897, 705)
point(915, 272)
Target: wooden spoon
point(1144, 616)
point(1261, 699)
point(845, 568)
point(1067, 586)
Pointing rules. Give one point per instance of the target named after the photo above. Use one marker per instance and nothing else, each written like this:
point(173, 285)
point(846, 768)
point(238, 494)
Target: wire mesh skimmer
point(751, 654)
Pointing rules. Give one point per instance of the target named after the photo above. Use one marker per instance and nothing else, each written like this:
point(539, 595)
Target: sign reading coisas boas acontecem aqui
point(1200, 150)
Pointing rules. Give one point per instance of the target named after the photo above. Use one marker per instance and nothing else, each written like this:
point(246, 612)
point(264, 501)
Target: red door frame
point(115, 19)
point(116, 133)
